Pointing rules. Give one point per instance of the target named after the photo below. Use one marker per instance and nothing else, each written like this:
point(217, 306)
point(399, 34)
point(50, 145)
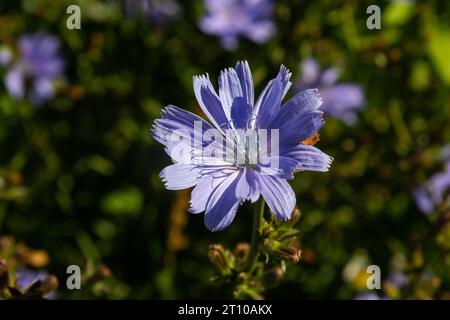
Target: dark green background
point(90, 188)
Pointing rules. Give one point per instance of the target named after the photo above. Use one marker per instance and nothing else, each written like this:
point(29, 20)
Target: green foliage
point(123, 202)
point(79, 175)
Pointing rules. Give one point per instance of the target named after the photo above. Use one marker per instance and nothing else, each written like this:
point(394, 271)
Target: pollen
point(311, 140)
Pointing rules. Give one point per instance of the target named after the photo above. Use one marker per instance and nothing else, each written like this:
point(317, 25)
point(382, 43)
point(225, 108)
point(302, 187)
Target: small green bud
point(221, 258)
point(241, 250)
point(295, 217)
point(102, 273)
point(289, 252)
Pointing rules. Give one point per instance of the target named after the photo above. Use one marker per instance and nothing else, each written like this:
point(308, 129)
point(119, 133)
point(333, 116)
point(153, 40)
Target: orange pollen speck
point(311, 140)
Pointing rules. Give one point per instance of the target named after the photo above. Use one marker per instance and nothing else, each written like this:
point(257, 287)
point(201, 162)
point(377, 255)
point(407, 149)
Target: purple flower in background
point(25, 278)
point(398, 279)
point(433, 192)
point(36, 68)
point(157, 11)
point(5, 56)
point(341, 100)
point(230, 19)
point(221, 185)
point(445, 153)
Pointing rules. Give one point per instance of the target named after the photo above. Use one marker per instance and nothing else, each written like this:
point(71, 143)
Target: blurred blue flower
point(25, 278)
point(445, 153)
point(221, 185)
point(341, 100)
point(5, 56)
point(432, 194)
point(230, 19)
point(38, 65)
point(157, 11)
point(398, 279)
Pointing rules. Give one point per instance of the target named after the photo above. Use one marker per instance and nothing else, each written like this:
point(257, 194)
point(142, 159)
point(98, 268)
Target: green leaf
point(439, 48)
point(123, 202)
point(398, 13)
point(100, 165)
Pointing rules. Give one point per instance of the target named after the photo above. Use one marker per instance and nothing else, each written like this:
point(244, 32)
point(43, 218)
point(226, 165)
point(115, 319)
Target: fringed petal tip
point(244, 63)
point(328, 163)
point(203, 78)
point(286, 71)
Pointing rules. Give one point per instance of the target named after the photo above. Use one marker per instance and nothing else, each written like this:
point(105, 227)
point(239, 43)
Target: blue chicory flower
point(230, 19)
point(221, 185)
point(39, 64)
point(157, 11)
point(432, 194)
point(341, 100)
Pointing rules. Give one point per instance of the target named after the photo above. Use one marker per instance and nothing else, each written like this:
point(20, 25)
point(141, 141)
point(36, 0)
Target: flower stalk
point(255, 242)
point(243, 269)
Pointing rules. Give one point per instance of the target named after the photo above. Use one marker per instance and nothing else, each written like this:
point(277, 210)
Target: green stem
point(254, 247)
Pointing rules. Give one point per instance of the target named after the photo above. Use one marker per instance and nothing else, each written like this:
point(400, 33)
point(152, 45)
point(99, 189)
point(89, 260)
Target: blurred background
point(79, 170)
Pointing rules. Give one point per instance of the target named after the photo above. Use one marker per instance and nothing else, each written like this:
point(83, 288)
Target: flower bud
point(273, 275)
point(242, 276)
point(102, 273)
point(295, 217)
point(241, 251)
point(267, 231)
point(6, 243)
point(221, 258)
point(289, 252)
